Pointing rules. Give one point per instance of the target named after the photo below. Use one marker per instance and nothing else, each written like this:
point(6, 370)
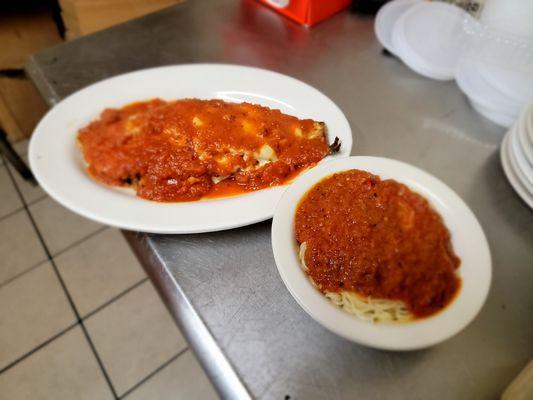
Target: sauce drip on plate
point(379, 239)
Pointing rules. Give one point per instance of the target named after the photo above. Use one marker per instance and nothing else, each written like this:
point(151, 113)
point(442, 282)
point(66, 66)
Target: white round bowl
point(468, 241)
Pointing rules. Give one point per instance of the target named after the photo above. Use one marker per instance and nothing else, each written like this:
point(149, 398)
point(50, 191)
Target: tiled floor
point(79, 319)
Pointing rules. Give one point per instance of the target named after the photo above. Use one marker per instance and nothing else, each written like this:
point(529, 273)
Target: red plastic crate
point(307, 12)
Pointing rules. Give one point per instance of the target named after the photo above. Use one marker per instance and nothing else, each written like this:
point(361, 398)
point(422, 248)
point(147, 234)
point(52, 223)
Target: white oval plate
point(58, 165)
point(468, 241)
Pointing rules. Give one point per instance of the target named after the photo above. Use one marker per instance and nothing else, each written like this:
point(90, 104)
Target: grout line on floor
point(31, 203)
point(65, 290)
point(98, 360)
point(114, 298)
point(39, 264)
point(11, 213)
point(83, 239)
point(38, 347)
point(154, 372)
point(38, 199)
point(80, 320)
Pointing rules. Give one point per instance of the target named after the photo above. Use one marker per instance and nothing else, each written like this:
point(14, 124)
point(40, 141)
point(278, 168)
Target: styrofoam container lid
point(529, 123)
point(505, 62)
point(512, 16)
point(409, 57)
point(475, 86)
point(495, 116)
point(515, 83)
point(434, 31)
point(387, 17)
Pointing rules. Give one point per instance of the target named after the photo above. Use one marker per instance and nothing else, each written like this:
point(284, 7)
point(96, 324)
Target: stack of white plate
point(493, 66)
point(517, 155)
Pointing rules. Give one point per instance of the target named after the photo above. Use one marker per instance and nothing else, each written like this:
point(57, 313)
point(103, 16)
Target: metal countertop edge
point(214, 362)
point(36, 76)
point(216, 365)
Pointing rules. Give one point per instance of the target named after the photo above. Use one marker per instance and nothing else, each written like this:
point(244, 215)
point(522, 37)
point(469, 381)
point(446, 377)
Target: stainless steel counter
point(223, 288)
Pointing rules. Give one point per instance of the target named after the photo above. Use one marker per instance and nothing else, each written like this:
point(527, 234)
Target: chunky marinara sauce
point(187, 149)
point(377, 238)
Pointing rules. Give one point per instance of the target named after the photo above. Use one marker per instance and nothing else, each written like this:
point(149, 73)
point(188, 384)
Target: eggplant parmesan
point(185, 150)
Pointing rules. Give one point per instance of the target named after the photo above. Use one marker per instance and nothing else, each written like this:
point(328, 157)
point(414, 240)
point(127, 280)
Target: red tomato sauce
point(183, 150)
point(229, 187)
point(377, 238)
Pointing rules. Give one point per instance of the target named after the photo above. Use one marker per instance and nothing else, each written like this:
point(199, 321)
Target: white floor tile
point(59, 226)
point(29, 192)
point(98, 269)
point(33, 308)
point(65, 369)
point(133, 336)
point(9, 198)
point(181, 379)
point(19, 246)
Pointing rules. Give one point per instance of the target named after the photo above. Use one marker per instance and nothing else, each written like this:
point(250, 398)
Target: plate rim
point(519, 159)
point(381, 28)
point(524, 126)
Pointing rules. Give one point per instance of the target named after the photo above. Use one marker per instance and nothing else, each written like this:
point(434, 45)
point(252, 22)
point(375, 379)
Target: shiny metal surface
point(198, 336)
point(229, 279)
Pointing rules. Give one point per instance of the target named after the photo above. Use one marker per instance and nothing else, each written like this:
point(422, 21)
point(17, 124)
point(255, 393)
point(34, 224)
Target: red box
point(307, 12)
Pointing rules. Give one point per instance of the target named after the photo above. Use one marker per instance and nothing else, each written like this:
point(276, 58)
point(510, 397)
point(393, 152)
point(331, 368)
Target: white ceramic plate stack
point(517, 155)
point(496, 75)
